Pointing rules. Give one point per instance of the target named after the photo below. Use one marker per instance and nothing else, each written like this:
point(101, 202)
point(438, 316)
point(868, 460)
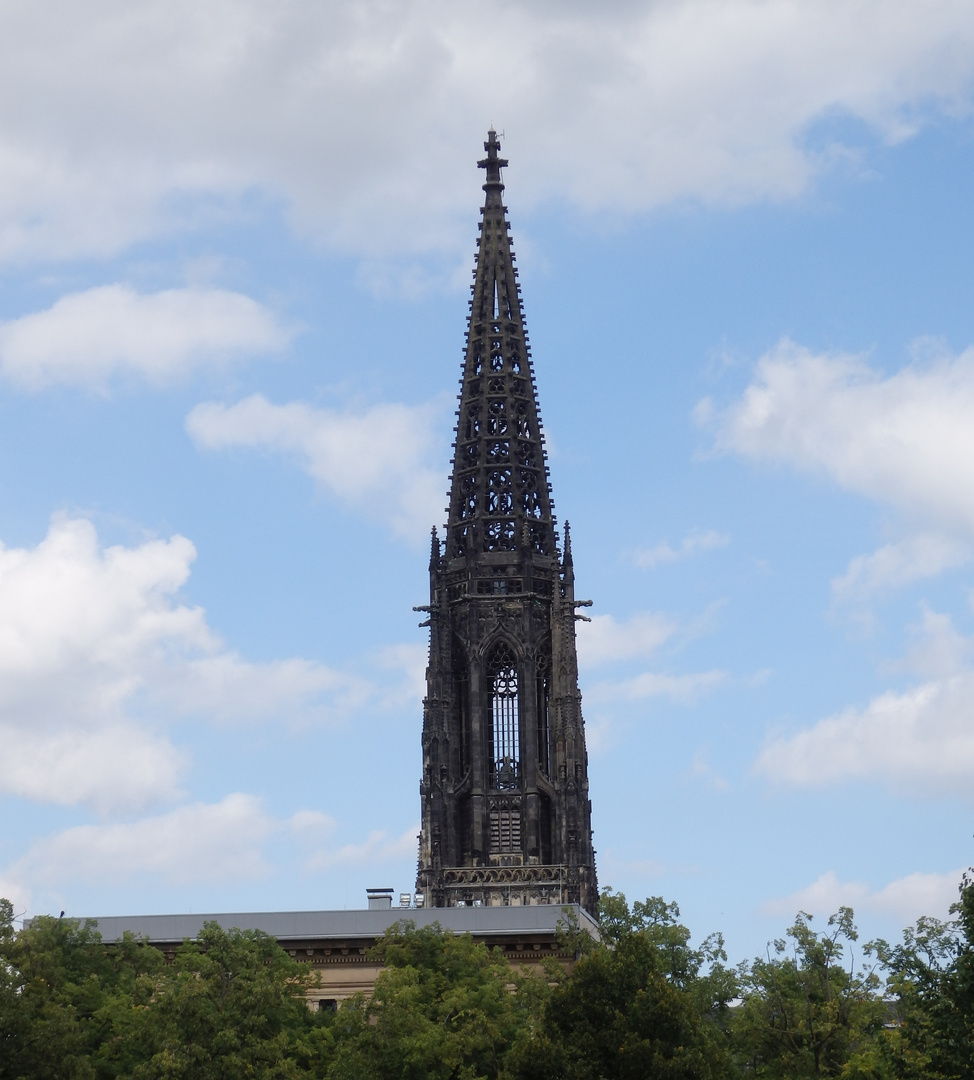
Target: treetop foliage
point(643, 1003)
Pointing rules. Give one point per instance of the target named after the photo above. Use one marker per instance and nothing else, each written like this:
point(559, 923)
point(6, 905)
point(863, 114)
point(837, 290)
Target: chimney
point(379, 899)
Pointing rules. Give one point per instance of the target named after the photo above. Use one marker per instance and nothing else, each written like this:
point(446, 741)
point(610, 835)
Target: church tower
point(506, 817)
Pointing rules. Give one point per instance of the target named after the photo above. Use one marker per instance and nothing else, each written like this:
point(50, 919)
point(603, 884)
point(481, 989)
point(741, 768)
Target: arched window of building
point(505, 756)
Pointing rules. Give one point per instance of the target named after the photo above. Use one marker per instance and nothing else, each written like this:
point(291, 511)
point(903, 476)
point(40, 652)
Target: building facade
point(506, 816)
point(337, 945)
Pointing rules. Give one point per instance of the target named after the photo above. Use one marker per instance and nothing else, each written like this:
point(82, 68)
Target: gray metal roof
point(301, 925)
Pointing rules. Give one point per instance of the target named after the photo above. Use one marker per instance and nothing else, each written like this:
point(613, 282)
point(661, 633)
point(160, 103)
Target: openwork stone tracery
point(506, 815)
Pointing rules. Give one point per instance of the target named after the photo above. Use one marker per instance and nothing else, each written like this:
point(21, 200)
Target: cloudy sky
point(235, 248)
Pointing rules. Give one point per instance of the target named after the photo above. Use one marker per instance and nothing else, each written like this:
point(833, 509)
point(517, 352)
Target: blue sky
point(235, 246)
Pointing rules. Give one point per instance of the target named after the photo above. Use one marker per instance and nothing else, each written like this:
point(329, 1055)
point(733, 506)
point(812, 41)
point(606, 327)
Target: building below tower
point(337, 945)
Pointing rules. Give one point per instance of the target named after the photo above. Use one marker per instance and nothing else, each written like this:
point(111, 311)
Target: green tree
point(931, 983)
point(804, 1012)
point(63, 994)
point(643, 1004)
point(442, 1009)
point(231, 1004)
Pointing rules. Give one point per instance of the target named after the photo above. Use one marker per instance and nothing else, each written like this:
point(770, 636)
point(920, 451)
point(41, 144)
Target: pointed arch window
point(505, 738)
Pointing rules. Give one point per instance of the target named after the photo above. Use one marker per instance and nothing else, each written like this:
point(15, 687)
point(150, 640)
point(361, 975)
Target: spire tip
point(492, 163)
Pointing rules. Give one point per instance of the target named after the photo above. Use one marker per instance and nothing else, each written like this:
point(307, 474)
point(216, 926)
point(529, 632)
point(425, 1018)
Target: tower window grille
point(505, 719)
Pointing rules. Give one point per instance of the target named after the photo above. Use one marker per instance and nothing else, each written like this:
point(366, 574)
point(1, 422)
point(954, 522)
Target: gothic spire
point(500, 496)
point(506, 817)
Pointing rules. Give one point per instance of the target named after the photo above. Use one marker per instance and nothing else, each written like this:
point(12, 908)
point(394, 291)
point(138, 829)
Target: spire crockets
point(506, 817)
point(499, 499)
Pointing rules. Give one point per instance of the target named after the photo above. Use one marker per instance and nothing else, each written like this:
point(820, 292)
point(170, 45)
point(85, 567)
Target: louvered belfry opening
point(506, 817)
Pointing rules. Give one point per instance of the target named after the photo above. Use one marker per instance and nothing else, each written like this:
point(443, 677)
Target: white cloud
point(685, 689)
point(312, 824)
point(695, 540)
point(906, 898)
point(76, 621)
point(224, 842)
point(935, 648)
point(920, 739)
point(605, 639)
point(228, 688)
point(380, 460)
point(913, 558)
point(409, 661)
point(97, 654)
point(702, 771)
point(111, 768)
point(17, 892)
point(917, 740)
point(88, 337)
point(352, 114)
point(906, 439)
point(600, 731)
point(616, 867)
point(219, 842)
point(378, 847)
